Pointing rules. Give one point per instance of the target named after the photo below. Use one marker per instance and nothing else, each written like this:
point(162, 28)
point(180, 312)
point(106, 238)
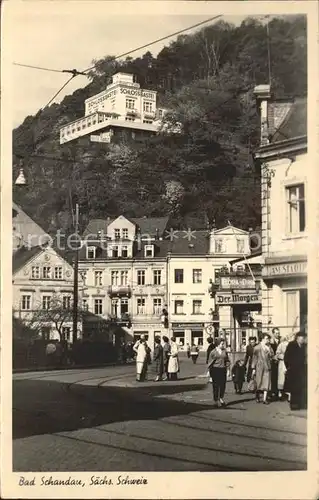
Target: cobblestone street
point(101, 419)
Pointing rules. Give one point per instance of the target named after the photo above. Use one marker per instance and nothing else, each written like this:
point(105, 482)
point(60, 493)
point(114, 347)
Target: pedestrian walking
point(142, 358)
point(261, 367)
point(295, 359)
point(188, 350)
point(275, 341)
point(158, 358)
point(166, 352)
point(194, 353)
point(218, 364)
point(249, 356)
point(211, 346)
point(238, 375)
point(280, 353)
point(173, 362)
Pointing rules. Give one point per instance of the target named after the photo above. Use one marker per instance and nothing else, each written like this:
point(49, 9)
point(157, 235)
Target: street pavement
point(101, 419)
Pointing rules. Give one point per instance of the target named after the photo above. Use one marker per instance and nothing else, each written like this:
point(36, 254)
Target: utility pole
point(76, 276)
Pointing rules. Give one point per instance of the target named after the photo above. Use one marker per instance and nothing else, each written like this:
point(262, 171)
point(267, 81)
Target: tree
point(58, 314)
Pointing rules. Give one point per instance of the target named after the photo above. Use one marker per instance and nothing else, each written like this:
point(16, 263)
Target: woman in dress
point(142, 358)
point(166, 351)
point(158, 358)
point(217, 366)
point(261, 367)
point(280, 353)
point(173, 362)
point(295, 359)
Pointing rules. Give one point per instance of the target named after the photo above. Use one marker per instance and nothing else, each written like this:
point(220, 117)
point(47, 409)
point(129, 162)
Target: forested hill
point(205, 173)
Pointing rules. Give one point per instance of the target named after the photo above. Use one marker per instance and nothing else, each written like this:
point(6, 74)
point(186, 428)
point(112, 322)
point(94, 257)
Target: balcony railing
point(123, 318)
point(133, 112)
point(119, 290)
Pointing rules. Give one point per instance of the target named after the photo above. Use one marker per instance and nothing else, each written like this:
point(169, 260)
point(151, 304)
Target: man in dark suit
point(274, 364)
point(249, 356)
point(295, 359)
point(210, 347)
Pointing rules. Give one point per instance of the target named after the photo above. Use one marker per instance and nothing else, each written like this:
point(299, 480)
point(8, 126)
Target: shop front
point(285, 301)
point(189, 333)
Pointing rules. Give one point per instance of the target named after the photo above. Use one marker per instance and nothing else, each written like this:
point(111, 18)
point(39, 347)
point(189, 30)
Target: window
point(58, 273)
point(124, 252)
point(130, 104)
point(98, 278)
point(35, 273)
point(197, 337)
point(147, 107)
point(98, 306)
point(296, 208)
point(90, 252)
point(124, 306)
point(66, 302)
point(219, 246)
point(125, 234)
point(148, 121)
point(46, 302)
point(66, 333)
point(180, 338)
point(240, 246)
point(117, 234)
point(179, 275)
point(26, 302)
point(85, 304)
point(83, 275)
point(296, 308)
point(160, 113)
point(197, 275)
point(197, 306)
point(141, 306)
point(149, 251)
point(157, 306)
point(114, 277)
point(114, 306)
point(46, 272)
point(178, 306)
point(141, 277)
point(112, 103)
point(115, 252)
point(124, 277)
point(157, 275)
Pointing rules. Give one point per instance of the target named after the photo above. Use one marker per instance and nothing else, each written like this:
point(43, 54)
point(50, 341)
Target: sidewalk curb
point(68, 367)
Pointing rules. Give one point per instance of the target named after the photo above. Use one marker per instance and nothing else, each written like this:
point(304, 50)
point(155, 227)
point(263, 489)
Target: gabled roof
point(24, 226)
point(230, 230)
point(189, 243)
point(294, 122)
point(147, 225)
point(24, 255)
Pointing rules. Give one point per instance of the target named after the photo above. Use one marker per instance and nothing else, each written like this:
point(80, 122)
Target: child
point(238, 375)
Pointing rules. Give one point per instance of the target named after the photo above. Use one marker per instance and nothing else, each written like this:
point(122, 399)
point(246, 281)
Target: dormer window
point(124, 252)
point(149, 251)
point(115, 252)
point(117, 234)
point(90, 252)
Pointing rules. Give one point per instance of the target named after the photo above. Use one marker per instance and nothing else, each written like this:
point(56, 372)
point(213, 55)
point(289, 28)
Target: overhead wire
point(38, 67)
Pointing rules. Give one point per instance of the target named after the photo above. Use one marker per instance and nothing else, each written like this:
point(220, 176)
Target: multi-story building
point(123, 265)
point(123, 105)
point(25, 231)
point(42, 282)
point(282, 157)
point(194, 261)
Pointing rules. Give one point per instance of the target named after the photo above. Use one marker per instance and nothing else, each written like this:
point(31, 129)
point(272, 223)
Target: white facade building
point(42, 285)
point(123, 105)
point(283, 158)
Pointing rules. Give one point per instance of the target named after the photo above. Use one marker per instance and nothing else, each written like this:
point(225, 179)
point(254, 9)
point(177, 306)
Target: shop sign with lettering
point(138, 92)
point(187, 325)
point(232, 282)
point(288, 269)
point(237, 298)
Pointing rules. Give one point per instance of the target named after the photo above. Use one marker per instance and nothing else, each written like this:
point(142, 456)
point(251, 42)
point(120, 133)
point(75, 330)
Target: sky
point(70, 34)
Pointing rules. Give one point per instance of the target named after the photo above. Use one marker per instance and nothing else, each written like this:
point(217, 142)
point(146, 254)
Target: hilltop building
point(122, 106)
point(283, 159)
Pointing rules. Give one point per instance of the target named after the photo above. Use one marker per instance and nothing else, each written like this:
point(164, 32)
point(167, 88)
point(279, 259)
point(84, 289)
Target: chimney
point(263, 95)
point(157, 234)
